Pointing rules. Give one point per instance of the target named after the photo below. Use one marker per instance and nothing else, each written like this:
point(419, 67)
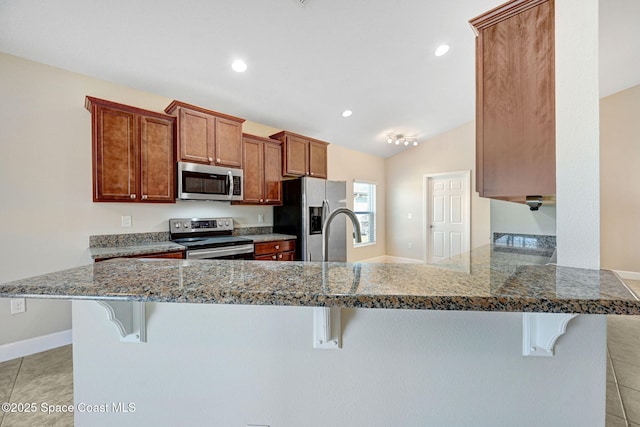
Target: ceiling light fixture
point(402, 139)
point(347, 113)
point(239, 66)
point(442, 49)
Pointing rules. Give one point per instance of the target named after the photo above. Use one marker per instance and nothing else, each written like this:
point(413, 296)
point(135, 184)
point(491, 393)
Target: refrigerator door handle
point(326, 210)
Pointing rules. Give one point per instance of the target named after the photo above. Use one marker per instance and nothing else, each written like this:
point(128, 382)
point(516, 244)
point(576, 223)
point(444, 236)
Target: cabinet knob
point(261, 200)
point(311, 174)
point(277, 247)
point(273, 257)
point(144, 197)
point(217, 160)
point(280, 256)
point(133, 196)
point(210, 159)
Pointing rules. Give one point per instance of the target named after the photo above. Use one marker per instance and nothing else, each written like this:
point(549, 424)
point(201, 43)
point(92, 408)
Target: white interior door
point(448, 218)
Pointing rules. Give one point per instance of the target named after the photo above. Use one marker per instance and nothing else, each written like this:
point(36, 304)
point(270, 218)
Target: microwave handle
point(230, 195)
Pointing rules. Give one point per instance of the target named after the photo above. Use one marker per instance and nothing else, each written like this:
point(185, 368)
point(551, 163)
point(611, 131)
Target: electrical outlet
point(126, 221)
point(410, 245)
point(18, 305)
point(260, 218)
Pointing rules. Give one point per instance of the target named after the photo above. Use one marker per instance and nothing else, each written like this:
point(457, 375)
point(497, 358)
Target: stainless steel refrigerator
point(306, 203)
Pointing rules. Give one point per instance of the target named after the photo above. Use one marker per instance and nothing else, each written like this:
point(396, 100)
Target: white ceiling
point(307, 63)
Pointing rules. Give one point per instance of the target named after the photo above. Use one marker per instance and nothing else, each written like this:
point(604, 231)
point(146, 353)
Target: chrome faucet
point(326, 226)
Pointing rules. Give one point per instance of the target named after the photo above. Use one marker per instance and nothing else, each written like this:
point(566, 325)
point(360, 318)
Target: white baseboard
point(631, 275)
point(393, 259)
point(30, 346)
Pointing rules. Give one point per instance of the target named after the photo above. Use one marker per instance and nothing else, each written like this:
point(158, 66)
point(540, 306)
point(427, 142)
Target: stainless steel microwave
point(205, 182)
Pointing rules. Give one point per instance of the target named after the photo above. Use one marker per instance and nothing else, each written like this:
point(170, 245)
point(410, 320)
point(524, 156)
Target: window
point(364, 206)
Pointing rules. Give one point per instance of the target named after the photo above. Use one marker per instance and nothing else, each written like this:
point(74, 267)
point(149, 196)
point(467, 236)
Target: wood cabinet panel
point(157, 159)
point(228, 143)
point(272, 173)
point(253, 171)
point(281, 250)
point(206, 136)
point(196, 136)
point(262, 171)
point(515, 132)
point(302, 156)
point(296, 158)
point(317, 159)
point(133, 153)
point(115, 153)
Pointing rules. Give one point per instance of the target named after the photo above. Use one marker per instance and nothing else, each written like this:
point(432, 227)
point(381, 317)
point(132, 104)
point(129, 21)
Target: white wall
point(509, 217)
point(577, 133)
point(47, 213)
point(349, 165)
point(450, 152)
point(225, 365)
point(620, 180)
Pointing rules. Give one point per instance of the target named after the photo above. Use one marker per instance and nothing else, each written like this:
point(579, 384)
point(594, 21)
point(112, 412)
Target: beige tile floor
point(48, 378)
point(40, 378)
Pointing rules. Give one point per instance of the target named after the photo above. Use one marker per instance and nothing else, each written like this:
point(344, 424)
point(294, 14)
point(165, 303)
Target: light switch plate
point(18, 305)
point(126, 221)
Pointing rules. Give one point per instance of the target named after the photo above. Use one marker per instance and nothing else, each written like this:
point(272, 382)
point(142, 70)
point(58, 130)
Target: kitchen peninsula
point(230, 342)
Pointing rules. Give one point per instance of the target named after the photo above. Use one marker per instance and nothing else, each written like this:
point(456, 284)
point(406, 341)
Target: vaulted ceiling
point(308, 60)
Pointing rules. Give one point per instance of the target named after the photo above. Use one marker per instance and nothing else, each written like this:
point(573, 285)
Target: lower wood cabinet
point(133, 153)
point(281, 250)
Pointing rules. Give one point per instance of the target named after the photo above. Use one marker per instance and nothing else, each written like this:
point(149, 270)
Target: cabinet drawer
point(266, 248)
point(282, 256)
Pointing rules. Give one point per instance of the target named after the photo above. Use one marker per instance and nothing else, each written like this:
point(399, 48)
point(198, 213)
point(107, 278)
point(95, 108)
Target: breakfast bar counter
point(490, 278)
point(237, 341)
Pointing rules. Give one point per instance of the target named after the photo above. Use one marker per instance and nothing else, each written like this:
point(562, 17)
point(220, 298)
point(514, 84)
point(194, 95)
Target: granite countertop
point(483, 280)
point(124, 245)
point(271, 237)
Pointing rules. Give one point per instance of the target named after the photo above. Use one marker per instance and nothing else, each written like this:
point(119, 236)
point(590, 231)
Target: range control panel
point(191, 225)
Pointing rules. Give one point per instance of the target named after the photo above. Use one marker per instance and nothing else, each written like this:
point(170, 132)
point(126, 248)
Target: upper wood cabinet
point(515, 100)
point(206, 136)
point(302, 156)
point(262, 171)
point(133, 153)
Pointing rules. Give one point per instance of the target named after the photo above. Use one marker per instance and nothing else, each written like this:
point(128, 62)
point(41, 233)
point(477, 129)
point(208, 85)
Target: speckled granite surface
point(134, 249)
point(485, 280)
point(271, 237)
point(119, 245)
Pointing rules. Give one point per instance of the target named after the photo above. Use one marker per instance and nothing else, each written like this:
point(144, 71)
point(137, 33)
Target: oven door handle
point(220, 252)
point(230, 195)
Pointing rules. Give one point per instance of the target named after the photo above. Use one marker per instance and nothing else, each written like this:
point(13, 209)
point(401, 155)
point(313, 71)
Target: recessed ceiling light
point(347, 113)
point(442, 49)
point(239, 65)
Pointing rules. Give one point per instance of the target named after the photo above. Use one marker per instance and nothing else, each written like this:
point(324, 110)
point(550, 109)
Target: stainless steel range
point(210, 238)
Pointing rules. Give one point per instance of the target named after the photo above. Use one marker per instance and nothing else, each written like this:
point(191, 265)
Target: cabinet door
point(115, 154)
point(296, 156)
point(253, 171)
point(196, 136)
point(228, 143)
point(317, 159)
point(157, 166)
point(516, 110)
point(272, 173)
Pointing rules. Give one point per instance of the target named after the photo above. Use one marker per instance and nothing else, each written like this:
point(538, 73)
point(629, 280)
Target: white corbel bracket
point(540, 331)
point(129, 317)
point(327, 328)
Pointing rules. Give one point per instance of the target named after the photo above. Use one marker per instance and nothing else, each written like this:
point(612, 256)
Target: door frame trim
point(426, 178)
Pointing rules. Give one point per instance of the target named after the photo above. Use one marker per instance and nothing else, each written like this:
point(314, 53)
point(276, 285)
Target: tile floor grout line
point(13, 387)
point(615, 381)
